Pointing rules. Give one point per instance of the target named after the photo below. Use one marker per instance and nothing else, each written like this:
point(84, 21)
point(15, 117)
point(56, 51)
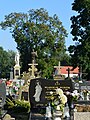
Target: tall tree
point(80, 52)
point(6, 62)
point(37, 30)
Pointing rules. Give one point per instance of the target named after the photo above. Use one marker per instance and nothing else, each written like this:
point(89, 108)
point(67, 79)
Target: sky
point(62, 8)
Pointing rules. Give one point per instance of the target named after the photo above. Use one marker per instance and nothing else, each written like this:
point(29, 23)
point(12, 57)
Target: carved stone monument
point(40, 95)
point(40, 90)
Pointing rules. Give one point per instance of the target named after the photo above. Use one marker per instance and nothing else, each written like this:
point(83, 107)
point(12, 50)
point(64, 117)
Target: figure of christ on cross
point(33, 68)
point(34, 54)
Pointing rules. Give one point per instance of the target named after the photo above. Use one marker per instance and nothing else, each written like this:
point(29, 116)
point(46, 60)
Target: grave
point(46, 87)
point(40, 92)
point(83, 104)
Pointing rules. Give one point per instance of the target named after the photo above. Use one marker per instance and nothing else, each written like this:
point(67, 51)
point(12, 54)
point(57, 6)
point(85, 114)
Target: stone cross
point(58, 69)
point(33, 69)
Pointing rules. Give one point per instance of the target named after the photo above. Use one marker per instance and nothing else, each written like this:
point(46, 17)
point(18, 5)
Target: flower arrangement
point(1, 105)
point(86, 94)
point(73, 95)
point(15, 89)
point(58, 100)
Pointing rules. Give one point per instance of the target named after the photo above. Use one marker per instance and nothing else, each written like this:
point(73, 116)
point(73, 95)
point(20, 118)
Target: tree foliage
point(41, 32)
point(80, 52)
point(6, 62)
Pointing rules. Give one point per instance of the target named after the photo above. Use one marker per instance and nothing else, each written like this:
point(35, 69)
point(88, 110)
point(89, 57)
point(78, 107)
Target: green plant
point(22, 105)
point(18, 105)
point(9, 103)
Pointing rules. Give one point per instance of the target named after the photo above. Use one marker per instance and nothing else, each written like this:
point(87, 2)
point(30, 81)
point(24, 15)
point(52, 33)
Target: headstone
point(85, 86)
point(2, 99)
point(40, 90)
point(3, 92)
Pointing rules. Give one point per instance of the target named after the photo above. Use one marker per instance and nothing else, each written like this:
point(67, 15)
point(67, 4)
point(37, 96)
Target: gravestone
point(3, 92)
point(2, 100)
point(40, 90)
point(85, 85)
point(81, 87)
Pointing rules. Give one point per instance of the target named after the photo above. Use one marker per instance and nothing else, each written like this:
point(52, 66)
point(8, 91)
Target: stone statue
point(38, 90)
point(17, 57)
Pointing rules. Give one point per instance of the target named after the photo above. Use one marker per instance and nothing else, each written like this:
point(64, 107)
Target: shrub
point(17, 105)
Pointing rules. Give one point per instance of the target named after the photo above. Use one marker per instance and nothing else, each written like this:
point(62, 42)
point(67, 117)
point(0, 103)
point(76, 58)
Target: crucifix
point(33, 68)
point(34, 54)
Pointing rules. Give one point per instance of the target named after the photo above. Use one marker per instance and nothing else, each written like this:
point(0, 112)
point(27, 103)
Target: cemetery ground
point(18, 109)
point(20, 116)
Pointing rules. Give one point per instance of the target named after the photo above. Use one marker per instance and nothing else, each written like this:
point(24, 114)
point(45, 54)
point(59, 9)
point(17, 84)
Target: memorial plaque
point(40, 90)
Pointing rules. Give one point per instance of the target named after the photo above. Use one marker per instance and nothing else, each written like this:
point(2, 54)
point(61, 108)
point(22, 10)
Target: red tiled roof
point(64, 70)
